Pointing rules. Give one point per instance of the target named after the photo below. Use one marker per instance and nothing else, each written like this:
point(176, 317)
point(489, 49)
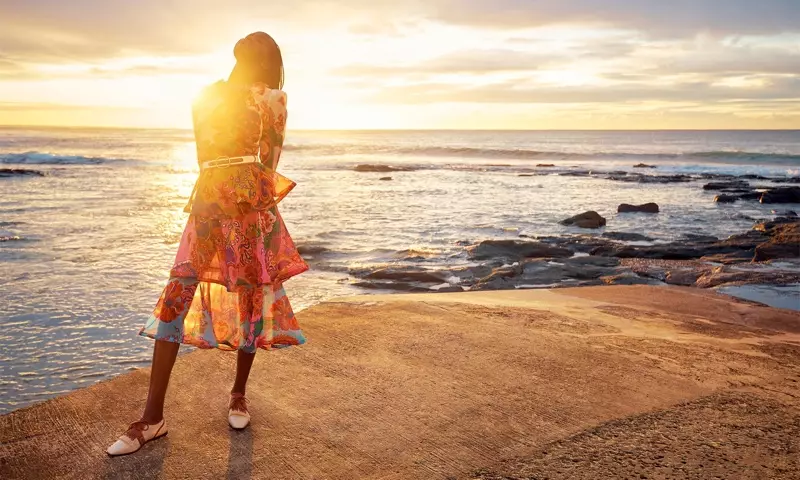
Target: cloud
point(656, 17)
point(781, 88)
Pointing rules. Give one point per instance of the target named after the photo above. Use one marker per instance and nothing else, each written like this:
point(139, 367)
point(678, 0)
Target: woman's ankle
point(151, 419)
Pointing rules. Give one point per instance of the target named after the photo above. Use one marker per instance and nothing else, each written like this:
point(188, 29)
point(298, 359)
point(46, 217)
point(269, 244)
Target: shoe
point(137, 435)
point(238, 416)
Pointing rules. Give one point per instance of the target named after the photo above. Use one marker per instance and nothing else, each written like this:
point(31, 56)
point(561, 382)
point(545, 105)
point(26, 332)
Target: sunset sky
point(489, 64)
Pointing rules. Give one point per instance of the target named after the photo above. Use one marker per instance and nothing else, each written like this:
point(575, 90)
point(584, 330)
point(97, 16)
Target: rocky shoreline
point(768, 254)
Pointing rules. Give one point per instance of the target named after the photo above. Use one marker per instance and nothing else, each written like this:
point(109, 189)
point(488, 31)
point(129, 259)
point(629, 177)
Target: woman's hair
point(258, 59)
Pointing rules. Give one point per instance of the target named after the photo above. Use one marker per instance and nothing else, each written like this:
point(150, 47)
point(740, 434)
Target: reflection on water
point(93, 241)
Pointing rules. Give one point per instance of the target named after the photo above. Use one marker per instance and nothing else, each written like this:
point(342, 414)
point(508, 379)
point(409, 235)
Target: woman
point(225, 288)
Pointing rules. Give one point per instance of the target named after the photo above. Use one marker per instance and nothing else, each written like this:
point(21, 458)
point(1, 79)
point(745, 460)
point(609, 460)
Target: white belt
point(227, 161)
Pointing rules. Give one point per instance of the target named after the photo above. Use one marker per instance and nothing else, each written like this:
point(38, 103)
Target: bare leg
point(164, 354)
point(243, 363)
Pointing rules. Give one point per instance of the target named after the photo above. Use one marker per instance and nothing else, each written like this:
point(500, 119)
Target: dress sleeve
point(273, 126)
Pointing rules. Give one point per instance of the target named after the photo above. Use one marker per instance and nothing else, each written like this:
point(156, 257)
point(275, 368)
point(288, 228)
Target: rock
point(397, 286)
point(739, 256)
point(449, 289)
point(645, 208)
point(589, 219)
point(408, 274)
point(726, 198)
point(627, 237)
point(643, 165)
point(20, 172)
point(545, 165)
point(735, 184)
point(311, 249)
point(626, 279)
point(591, 261)
point(693, 237)
point(381, 168)
point(787, 180)
point(781, 195)
point(514, 249)
point(750, 176)
point(682, 277)
point(526, 175)
point(784, 243)
point(786, 213)
point(639, 178)
point(385, 179)
point(726, 275)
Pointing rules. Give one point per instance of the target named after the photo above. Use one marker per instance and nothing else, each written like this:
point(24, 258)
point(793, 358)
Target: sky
point(416, 64)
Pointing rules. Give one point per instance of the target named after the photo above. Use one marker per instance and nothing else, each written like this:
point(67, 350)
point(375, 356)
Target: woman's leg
point(164, 354)
point(244, 361)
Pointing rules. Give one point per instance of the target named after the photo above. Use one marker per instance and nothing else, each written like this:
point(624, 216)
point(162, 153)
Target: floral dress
point(226, 285)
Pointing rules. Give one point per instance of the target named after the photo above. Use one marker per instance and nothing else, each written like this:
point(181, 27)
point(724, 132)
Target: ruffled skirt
point(226, 285)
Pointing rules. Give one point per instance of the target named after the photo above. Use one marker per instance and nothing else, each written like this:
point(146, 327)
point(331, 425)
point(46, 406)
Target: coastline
point(489, 385)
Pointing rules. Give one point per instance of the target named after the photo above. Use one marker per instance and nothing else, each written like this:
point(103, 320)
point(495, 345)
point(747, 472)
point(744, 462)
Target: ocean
point(89, 229)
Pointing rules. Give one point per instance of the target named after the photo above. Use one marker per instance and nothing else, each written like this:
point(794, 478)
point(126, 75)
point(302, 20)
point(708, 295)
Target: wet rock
point(639, 178)
point(731, 275)
point(644, 208)
point(589, 219)
point(739, 256)
point(787, 180)
point(312, 249)
point(396, 286)
point(381, 168)
point(608, 262)
point(682, 277)
point(724, 198)
point(627, 279)
point(514, 249)
point(385, 179)
point(735, 184)
point(784, 243)
point(408, 274)
point(627, 237)
point(581, 173)
point(526, 175)
point(741, 241)
point(449, 289)
point(750, 176)
point(643, 165)
point(19, 172)
point(545, 165)
point(781, 195)
point(699, 238)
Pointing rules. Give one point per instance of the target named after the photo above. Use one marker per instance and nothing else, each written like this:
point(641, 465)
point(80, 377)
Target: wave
point(39, 158)
point(525, 154)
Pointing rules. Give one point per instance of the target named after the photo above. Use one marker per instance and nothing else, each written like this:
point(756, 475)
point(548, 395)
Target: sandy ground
point(607, 382)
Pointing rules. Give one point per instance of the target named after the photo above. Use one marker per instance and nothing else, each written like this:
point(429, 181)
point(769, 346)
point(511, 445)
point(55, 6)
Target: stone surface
point(782, 195)
point(515, 249)
point(433, 386)
point(627, 237)
point(590, 219)
point(645, 208)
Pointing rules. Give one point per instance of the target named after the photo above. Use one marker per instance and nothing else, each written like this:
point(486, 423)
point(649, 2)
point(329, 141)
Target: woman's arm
point(273, 126)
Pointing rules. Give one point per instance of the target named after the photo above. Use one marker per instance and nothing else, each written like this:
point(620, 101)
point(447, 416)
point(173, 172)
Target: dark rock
point(385, 179)
point(726, 185)
point(693, 237)
point(19, 172)
point(739, 256)
point(408, 274)
point(782, 195)
point(644, 165)
point(545, 165)
point(381, 168)
point(726, 198)
point(639, 178)
point(526, 175)
point(787, 213)
point(741, 241)
point(627, 237)
point(627, 279)
point(682, 277)
point(312, 249)
point(784, 243)
point(645, 208)
point(727, 276)
point(582, 173)
point(751, 176)
point(787, 180)
point(591, 261)
point(589, 219)
point(397, 286)
point(515, 250)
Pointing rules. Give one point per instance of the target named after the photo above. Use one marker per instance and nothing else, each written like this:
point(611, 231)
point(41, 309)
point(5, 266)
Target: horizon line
point(345, 130)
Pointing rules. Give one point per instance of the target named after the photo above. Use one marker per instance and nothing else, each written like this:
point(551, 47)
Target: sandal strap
point(238, 403)
point(136, 431)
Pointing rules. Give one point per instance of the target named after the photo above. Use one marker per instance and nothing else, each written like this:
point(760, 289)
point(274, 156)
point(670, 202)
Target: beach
point(596, 382)
point(90, 220)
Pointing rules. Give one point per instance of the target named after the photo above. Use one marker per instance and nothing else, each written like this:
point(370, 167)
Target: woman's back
point(233, 121)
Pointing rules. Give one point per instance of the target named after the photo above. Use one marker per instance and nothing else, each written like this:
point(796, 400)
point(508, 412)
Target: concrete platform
point(608, 382)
